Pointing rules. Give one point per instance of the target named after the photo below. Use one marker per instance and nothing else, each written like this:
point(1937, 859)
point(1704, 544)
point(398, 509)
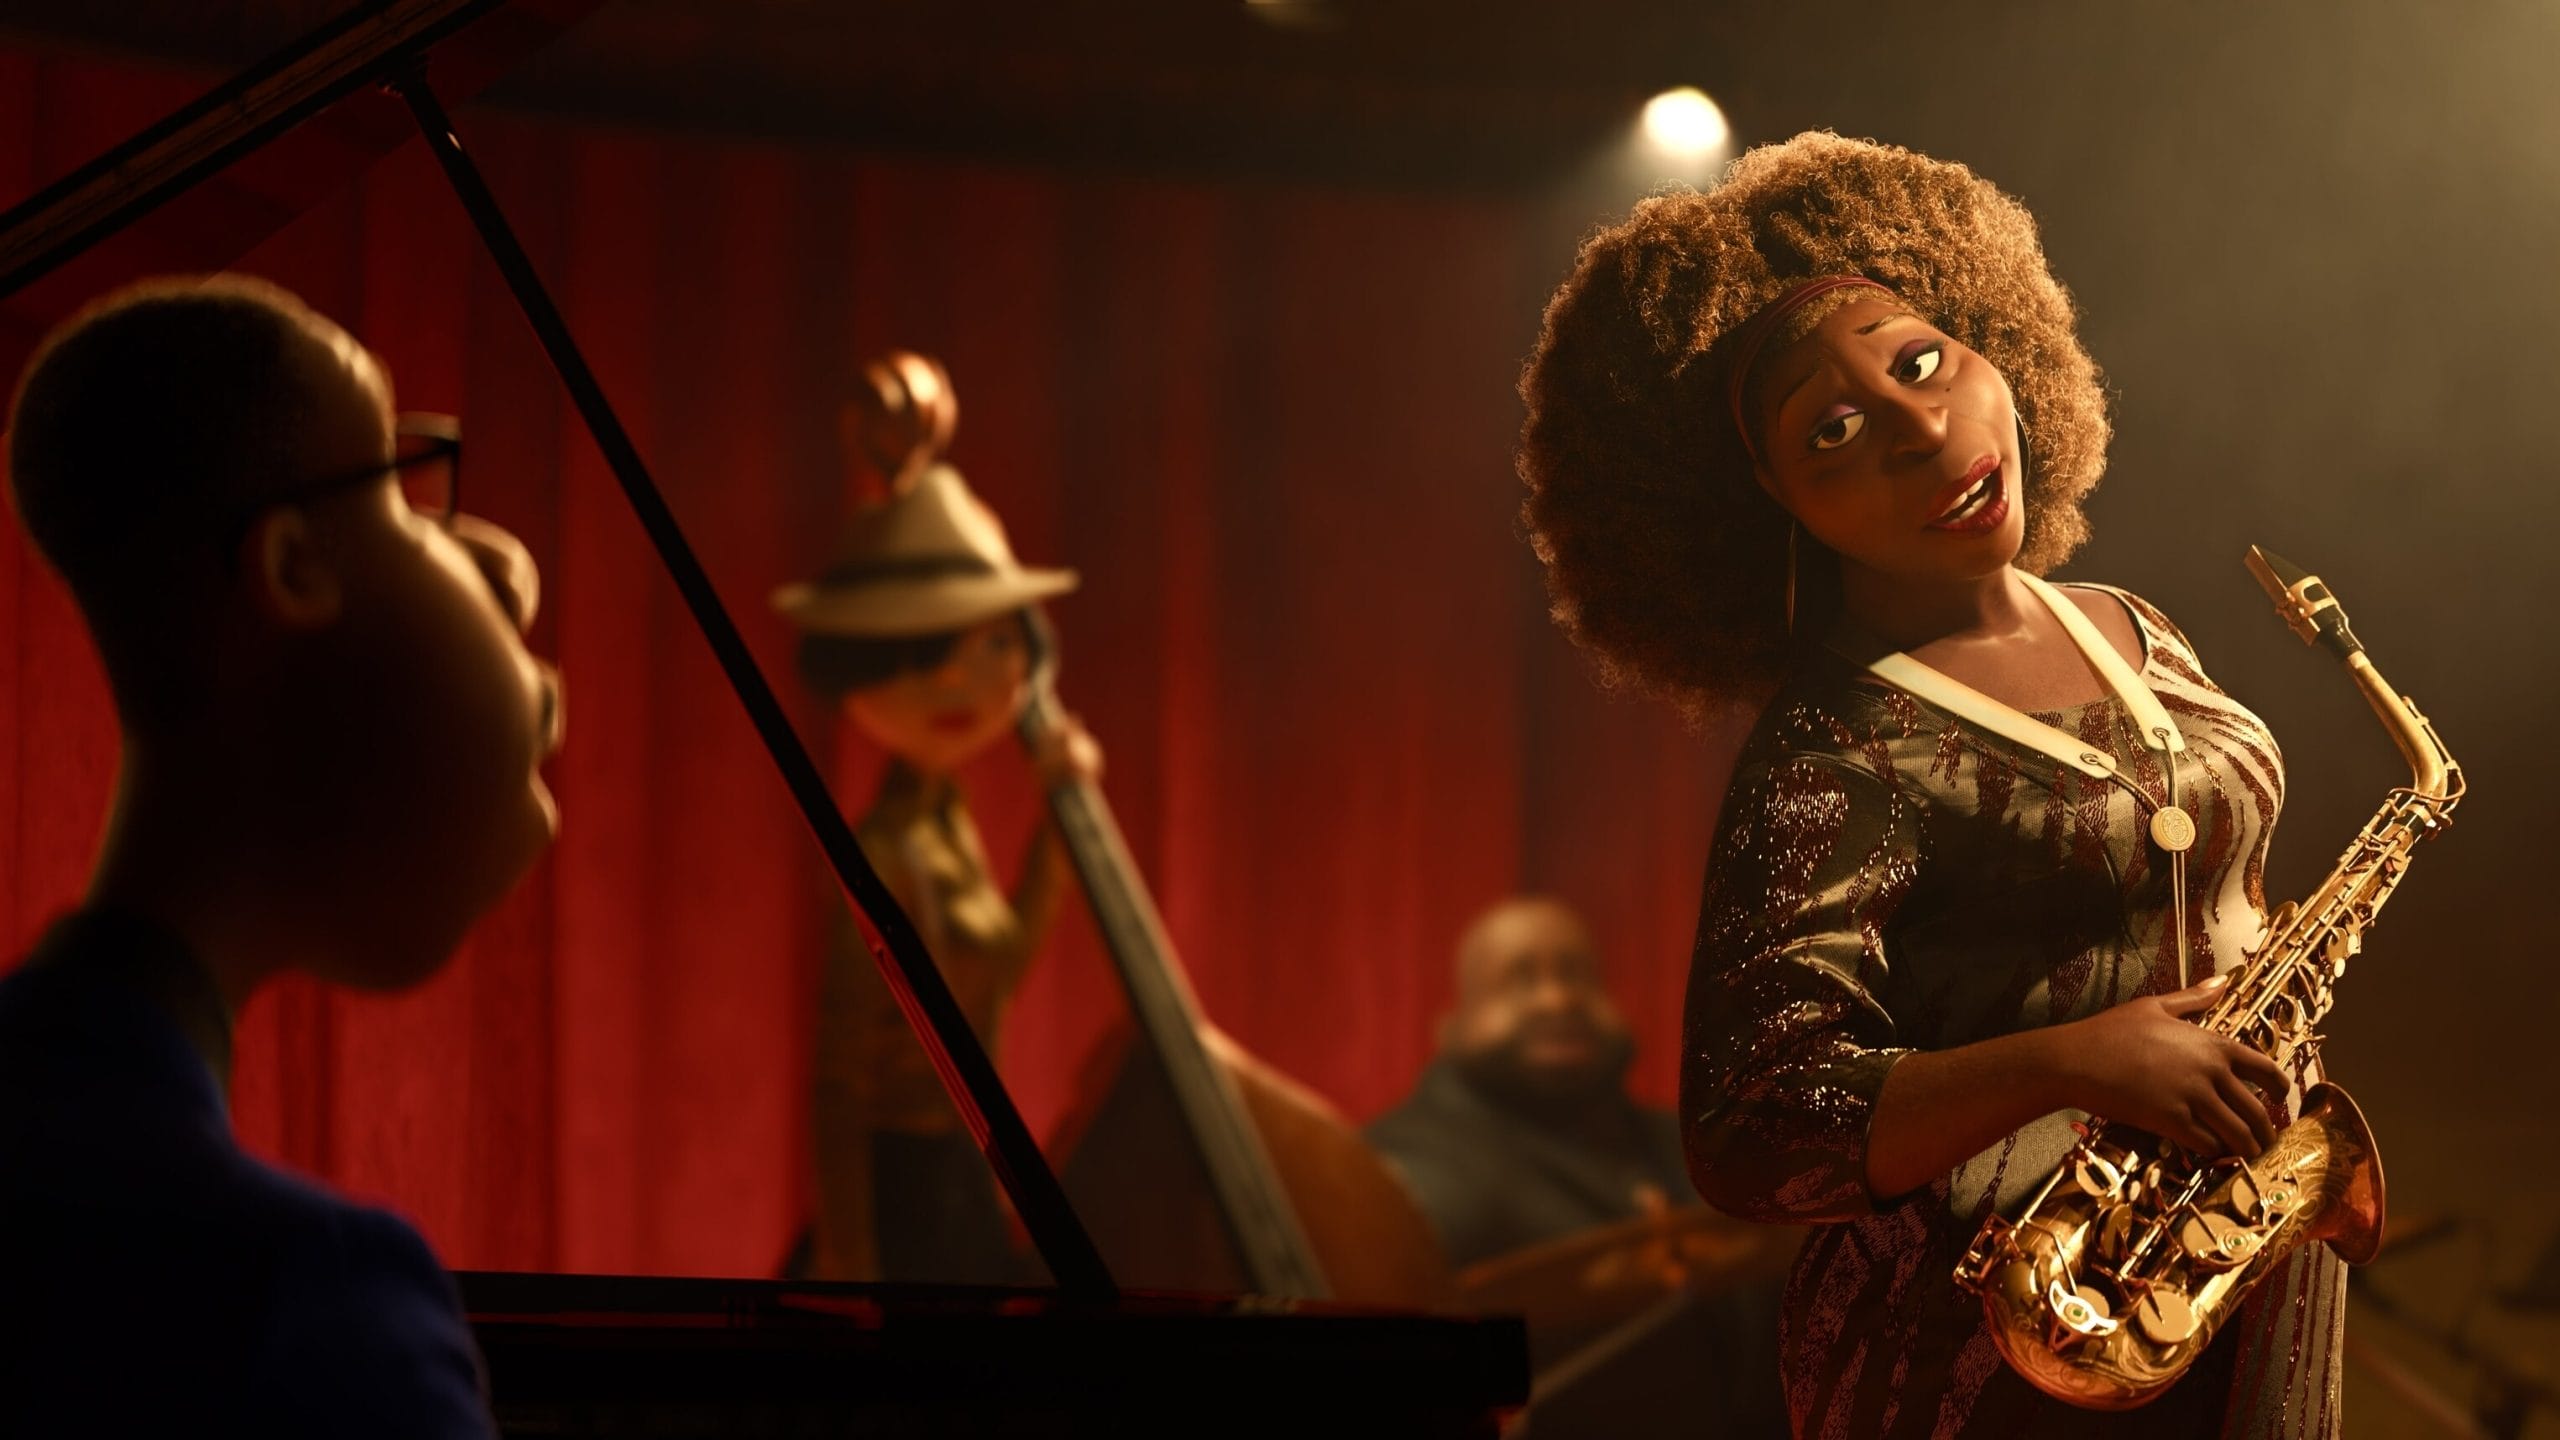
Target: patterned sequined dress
point(1890, 878)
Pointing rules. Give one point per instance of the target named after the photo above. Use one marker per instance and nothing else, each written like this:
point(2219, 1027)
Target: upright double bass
point(1195, 1165)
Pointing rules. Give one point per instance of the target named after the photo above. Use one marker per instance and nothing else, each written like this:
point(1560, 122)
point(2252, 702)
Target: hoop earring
point(1791, 577)
point(2026, 455)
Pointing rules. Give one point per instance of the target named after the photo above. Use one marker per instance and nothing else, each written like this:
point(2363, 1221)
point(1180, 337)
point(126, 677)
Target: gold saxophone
point(2120, 1271)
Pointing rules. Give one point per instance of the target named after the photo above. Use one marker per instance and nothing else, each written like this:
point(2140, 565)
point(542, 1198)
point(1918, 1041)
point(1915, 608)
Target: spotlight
point(1312, 15)
point(1685, 123)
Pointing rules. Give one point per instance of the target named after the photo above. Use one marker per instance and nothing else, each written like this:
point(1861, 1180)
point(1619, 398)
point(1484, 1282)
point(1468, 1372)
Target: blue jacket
point(156, 1280)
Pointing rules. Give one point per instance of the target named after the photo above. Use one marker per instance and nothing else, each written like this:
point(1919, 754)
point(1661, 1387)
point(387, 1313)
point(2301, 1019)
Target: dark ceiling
point(1500, 93)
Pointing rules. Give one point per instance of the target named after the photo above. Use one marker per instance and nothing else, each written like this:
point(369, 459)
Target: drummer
point(1522, 1132)
point(1522, 1129)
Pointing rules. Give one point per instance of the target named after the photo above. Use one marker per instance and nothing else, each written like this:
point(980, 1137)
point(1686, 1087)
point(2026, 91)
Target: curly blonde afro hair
point(1664, 557)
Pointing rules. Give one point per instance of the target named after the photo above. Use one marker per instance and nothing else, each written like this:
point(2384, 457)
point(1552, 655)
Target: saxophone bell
point(2352, 1224)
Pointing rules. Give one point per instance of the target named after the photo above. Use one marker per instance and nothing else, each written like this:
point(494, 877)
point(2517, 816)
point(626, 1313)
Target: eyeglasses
point(426, 457)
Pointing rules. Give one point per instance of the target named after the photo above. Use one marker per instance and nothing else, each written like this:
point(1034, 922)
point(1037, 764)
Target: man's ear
point(290, 578)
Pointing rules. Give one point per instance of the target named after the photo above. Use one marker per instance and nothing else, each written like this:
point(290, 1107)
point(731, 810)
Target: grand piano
point(626, 1356)
point(639, 1356)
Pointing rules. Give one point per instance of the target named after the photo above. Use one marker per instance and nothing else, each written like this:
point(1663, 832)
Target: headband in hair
point(1756, 333)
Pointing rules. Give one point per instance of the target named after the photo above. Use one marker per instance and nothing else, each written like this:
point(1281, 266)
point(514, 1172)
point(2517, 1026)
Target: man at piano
point(1521, 1140)
point(331, 735)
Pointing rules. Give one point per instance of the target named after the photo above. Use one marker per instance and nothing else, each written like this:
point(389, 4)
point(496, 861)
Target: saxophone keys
point(2081, 1310)
point(2114, 1232)
point(2095, 1174)
point(2216, 1241)
point(2245, 1196)
point(2196, 1237)
point(2167, 1317)
point(2172, 829)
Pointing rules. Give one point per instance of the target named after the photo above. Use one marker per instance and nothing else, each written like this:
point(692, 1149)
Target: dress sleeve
point(1787, 1044)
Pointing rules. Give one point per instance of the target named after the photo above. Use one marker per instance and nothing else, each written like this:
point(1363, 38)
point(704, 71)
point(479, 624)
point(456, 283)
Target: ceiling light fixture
point(1684, 122)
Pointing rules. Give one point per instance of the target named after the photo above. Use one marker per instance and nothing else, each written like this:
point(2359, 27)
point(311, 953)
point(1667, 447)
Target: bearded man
point(1522, 1130)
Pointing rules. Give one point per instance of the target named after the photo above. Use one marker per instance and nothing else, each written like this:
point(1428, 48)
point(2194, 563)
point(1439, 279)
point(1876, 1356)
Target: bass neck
point(1277, 1258)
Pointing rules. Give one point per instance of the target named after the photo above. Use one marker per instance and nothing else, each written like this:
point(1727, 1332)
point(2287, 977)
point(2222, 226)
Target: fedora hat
point(930, 558)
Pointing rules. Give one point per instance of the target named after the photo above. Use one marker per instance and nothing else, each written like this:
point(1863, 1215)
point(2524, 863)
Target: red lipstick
point(1974, 502)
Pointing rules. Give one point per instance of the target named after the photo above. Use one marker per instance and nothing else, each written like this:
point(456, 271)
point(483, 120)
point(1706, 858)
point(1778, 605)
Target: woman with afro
point(1806, 441)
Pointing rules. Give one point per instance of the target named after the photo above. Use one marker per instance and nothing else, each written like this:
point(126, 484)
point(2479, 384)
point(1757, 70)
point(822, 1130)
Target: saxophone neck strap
point(1962, 700)
point(2158, 730)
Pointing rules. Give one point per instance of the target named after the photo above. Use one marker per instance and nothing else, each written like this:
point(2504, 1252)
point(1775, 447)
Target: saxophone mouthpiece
point(2305, 602)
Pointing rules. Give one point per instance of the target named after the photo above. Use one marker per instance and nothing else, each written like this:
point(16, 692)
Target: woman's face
point(939, 718)
point(1894, 445)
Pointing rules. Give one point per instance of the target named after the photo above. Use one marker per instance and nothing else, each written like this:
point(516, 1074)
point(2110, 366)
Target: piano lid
point(205, 185)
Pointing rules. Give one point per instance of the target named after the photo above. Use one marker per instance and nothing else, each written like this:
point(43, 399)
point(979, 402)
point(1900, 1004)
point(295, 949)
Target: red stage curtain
point(1271, 424)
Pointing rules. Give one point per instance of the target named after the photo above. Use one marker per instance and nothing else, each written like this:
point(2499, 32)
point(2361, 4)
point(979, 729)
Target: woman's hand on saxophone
point(2148, 1064)
point(2143, 1062)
